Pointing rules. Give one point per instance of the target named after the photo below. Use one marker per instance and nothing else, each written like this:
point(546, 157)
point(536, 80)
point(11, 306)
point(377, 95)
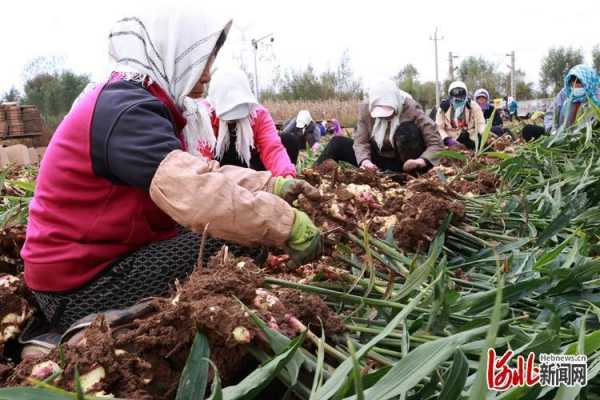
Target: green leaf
point(318, 374)
point(457, 155)
point(570, 393)
point(337, 379)
point(192, 384)
point(356, 375)
point(78, 389)
point(413, 368)
point(216, 391)
point(278, 343)
point(455, 379)
point(558, 224)
point(479, 389)
point(28, 393)
point(419, 363)
point(486, 132)
point(260, 378)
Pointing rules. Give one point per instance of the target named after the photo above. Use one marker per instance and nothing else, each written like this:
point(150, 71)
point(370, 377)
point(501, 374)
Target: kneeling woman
point(246, 135)
point(393, 133)
point(459, 119)
point(115, 181)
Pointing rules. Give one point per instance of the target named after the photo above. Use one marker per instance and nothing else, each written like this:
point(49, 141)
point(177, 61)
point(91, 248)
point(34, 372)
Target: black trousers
point(408, 144)
point(293, 144)
point(231, 157)
point(147, 272)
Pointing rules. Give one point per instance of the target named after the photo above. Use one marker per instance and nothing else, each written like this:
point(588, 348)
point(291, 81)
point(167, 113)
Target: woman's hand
point(411, 165)
point(367, 164)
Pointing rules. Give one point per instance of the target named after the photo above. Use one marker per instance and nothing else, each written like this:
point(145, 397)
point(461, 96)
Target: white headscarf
point(233, 100)
point(170, 47)
point(303, 119)
point(386, 93)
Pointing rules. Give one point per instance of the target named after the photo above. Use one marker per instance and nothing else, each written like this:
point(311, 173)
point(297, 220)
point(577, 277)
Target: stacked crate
point(3, 122)
point(14, 119)
point(18, 121)
point(32, 119)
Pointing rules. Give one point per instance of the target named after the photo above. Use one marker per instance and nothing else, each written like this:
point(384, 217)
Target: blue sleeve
point(140, 139)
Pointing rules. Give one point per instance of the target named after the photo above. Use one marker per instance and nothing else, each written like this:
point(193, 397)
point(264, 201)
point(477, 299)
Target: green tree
point(12, 95)
point(596, 58)
point(477, 72)
point(54, 93)
point(408, 80)
point(555, 65)
point(308, 85)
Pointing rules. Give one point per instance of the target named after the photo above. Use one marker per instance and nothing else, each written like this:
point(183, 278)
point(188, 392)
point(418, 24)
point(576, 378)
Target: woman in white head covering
point(300, 132)
point(393, 133)
point(246, 135)
point(460, 120)
point(115, 182)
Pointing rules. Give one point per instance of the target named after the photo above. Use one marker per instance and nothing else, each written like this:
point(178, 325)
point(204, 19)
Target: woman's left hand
point(411, 165)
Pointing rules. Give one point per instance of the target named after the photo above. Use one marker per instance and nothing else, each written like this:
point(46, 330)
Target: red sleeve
point(268, 143)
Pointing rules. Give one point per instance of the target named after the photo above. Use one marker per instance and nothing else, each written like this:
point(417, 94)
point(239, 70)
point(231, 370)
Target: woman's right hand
point(367, 164)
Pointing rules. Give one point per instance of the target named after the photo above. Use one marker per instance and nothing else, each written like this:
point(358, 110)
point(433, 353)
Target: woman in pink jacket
point(244, 132)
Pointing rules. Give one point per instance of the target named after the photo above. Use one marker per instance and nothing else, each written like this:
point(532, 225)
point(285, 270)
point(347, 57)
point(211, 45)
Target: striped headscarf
point(170, 47)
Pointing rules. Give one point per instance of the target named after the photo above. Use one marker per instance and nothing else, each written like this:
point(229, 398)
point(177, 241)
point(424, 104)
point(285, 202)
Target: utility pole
point(451, 58)
point(436, 39)
point(513, 89)
point(255, 43)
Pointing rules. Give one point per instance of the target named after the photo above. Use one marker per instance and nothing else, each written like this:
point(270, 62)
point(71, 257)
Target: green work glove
point(304, 243)
point(289, 189)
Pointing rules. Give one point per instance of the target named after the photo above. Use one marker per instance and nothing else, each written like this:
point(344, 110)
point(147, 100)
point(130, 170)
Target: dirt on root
point(11, 242)
point(144, 358)
point(485, 182)
point(351, 197)
point(15, 309)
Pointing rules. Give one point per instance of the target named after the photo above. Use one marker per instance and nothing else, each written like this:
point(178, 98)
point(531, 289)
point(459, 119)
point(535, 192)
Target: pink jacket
point(267, 141)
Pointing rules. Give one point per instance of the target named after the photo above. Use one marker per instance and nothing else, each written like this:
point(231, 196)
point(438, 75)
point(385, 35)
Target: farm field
point(420, 279)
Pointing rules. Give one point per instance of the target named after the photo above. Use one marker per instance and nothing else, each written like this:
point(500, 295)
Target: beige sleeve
point(232, 200)
point(439, 122)
point(362, 136)
point(431, 136)
point(479, 121)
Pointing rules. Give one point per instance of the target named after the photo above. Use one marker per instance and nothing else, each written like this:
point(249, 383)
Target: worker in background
point(393, 133)
point(241, 131)
point(581, 88)
point(510, 107)
point(299, 133)
point(121, 172)
point(482, 97)
point(332, 127)
point(460, 121)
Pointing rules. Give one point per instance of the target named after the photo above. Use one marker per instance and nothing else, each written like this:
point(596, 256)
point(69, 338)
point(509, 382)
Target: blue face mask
point(458, 103)
point(578, 94)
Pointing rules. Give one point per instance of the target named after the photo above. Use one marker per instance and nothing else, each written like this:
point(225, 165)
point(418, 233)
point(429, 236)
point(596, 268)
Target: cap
point(238, 112)
point(382, 111)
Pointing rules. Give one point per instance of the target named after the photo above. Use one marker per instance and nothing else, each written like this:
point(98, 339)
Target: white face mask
point(578, 92)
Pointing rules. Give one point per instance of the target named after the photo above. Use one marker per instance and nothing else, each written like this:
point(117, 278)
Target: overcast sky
point(381, 36)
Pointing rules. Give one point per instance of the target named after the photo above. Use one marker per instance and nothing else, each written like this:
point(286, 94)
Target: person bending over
point(393, 133)
point(300, 132)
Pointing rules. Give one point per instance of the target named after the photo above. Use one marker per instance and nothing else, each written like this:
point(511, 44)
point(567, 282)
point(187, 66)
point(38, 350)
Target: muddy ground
point(412, 208)
point(143, 359)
